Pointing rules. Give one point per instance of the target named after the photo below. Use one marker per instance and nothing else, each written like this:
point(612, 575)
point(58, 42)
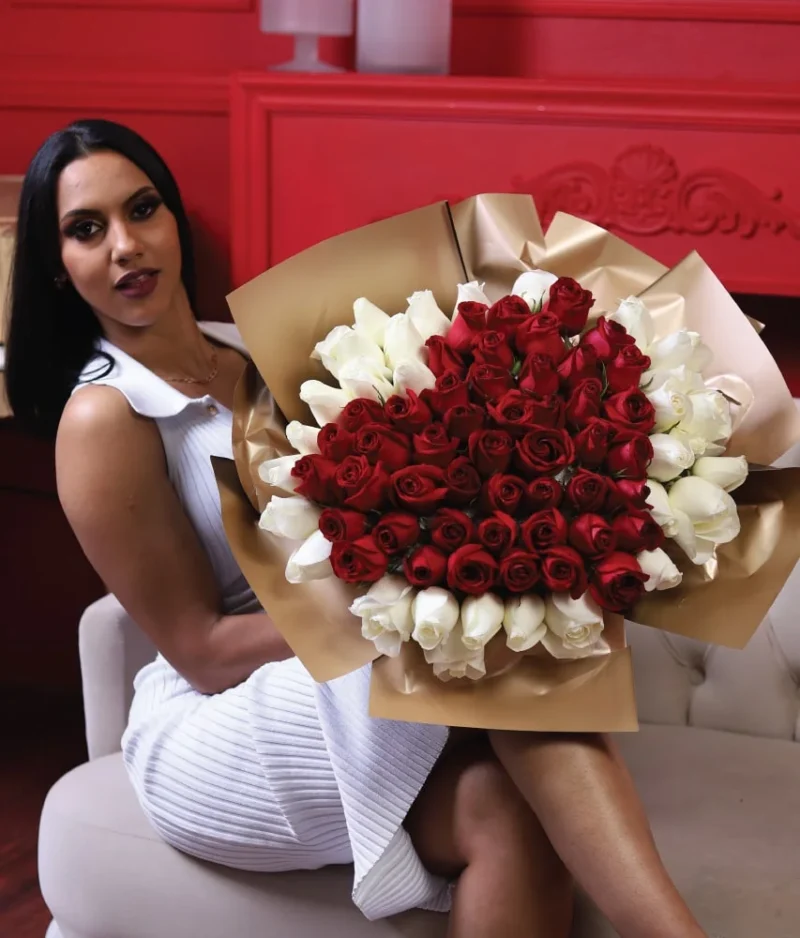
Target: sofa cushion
point(725, 810)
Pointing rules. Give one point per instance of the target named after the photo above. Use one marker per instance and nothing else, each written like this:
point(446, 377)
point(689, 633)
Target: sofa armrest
point(112, 649)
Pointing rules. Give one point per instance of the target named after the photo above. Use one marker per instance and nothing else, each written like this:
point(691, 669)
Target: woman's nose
point(124, 244)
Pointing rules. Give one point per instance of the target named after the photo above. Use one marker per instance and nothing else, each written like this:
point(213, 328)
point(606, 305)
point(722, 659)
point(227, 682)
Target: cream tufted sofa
point(717, 764)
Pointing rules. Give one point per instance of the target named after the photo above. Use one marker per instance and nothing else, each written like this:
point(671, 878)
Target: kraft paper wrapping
point(494, 238)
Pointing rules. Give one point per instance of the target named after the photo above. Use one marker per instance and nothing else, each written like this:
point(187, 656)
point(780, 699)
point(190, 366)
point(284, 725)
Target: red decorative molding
point(734, 11)
point(112, 90)
point(645, 194)
point(215, 6)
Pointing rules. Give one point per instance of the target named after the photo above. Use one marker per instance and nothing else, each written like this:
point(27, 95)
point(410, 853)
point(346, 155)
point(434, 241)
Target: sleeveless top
point(192, 430)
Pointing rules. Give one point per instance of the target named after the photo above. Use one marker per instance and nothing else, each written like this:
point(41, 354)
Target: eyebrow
point(79, 212)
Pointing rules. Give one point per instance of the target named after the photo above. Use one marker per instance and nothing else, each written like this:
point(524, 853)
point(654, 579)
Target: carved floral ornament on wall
point(644, 193)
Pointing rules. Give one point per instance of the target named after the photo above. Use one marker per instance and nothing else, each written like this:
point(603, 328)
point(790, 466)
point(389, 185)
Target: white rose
point(424, 313)
point(471, 292)
point(534, 287)
point(710, 418)
point(699, 445)
point(413, 376)
point(662, 572)
point(435, 614)
point(370, 320)
point(385, 613)
point(343, 344)
point(634, 315)
point(698, 549)
point(682, 379)
point(362, 377)
point(303, 438)
point(660, 508)
point(481, 619)
point(403, 342)
point(710, 509)
point(671, 406)
point(523, 621)
point(671, 457)
point(575, 626)
point(452, 659)
point(679, 348)
point(728, 472)
point(295, 517)
point(278, 472)
point(311, 560)
point(325, 402)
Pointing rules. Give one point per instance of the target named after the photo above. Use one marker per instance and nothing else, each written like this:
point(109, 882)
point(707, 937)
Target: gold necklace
point(207, 380)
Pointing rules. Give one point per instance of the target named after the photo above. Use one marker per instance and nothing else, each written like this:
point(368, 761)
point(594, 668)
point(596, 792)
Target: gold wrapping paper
point(494, 238)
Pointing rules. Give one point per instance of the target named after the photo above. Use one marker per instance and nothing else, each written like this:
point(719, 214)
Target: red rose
point(627, 368)
point(544, 530)
point(492, 348)
point(630, 410)
point(607, 338)
point(434, 446)
point(490, 382)
point(503, 493)
point(541, 334)
point(570, 304)
point(426, 566)
point(317, 479)
point(515, 412)
point(638, 531)
point(337, 524)
point(396, 532)
point(592, 536)
point(543, 493)
point(538, 375)
point(593, 441)
point(450, 391)
point(450, 529)
point(408, 414)
point(360, 561)
point(548, 411)
point(587, 491)
point(563, 571)
point(491, 451)
point(544, 452)
point(471, 320)
point(630, 455)
point(463, 481)
point(462, 422)
point(363, 486)
point(627, 495)
point(442, 358)
point(584, 402)
point(335, 442)
point(471, 569)
point(498, 533)
point(421, 489)
point(618, 582)
point(360, 411)
point(519, 571)
point(580, 363)
point(380, 443)
point(508, 314)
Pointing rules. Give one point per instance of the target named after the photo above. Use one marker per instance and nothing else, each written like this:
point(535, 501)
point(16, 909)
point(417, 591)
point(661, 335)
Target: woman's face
point(119, 242)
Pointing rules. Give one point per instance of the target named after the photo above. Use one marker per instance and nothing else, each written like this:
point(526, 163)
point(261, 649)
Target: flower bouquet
point(476, 498)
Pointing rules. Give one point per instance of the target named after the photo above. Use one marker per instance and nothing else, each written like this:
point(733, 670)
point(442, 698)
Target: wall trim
point(112, 90)
point(736, 11)
point(188, 6)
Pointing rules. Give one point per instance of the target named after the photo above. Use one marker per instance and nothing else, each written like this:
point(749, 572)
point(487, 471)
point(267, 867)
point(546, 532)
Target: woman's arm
point(113, 485)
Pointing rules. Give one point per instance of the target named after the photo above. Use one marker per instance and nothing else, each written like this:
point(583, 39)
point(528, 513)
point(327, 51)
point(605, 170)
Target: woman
point(236, 755)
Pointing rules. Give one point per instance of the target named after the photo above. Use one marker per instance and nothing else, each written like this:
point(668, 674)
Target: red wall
point(163, 67)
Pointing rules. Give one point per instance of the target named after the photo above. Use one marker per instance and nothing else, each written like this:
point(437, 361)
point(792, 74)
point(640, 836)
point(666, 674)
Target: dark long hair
point(52, 330)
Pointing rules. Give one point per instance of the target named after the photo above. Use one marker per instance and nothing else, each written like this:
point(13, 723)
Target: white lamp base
point(306, 57)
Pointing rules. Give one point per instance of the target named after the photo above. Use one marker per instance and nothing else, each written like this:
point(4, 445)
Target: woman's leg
point(586, 801)
point(471, 823)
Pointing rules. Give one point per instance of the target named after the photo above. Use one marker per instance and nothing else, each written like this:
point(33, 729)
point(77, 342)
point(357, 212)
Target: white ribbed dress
point(279, 773)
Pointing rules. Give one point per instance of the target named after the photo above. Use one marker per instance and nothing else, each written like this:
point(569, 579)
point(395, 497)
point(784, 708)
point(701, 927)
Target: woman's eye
point(145, 208)
point(83, 230)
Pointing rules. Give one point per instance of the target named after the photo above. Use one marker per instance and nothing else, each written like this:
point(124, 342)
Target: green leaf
point(516, 368)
